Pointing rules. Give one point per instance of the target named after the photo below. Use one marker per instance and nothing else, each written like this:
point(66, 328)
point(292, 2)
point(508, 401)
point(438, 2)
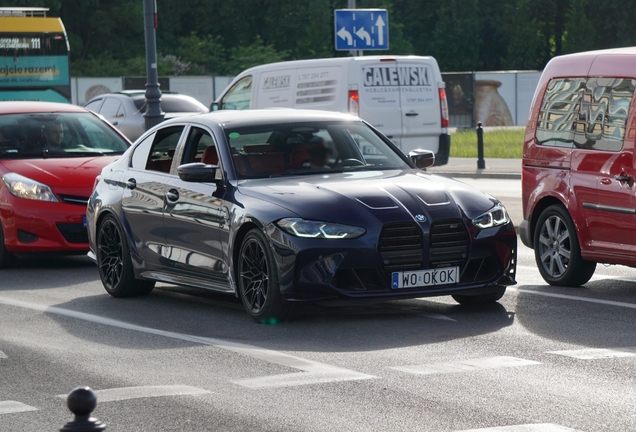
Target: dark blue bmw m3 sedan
point(282, 206)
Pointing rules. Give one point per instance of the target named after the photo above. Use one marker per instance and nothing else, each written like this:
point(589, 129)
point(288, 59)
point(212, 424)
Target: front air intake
point(448, 244)
point(400, 247)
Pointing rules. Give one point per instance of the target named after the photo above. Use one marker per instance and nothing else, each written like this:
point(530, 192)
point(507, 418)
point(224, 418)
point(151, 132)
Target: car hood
point(329, 197)
point(59, 172)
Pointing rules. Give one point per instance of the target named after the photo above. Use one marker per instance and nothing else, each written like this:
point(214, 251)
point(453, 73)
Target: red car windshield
point(57, 135)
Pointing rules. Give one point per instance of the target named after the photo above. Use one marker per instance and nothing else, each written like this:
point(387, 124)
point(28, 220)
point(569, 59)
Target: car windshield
point(309, 148)
point(36, 135)
point(178, 104)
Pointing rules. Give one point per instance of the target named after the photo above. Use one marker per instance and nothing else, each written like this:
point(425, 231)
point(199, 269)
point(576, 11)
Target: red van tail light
point(444, 107)
point(353, 105)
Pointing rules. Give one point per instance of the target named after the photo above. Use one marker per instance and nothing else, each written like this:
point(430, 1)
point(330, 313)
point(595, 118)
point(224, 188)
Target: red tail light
point(354, 107)
point(444, 107)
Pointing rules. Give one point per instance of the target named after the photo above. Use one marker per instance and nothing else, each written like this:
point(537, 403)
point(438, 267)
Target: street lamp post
point(153, 114)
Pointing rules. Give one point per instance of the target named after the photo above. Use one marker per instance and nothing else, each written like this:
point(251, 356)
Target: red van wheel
point(557, 251)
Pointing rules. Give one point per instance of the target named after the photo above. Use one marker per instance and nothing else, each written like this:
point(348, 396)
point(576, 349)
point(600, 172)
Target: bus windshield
point(34, 62)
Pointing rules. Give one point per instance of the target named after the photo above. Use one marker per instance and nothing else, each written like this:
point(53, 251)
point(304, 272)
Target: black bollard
point(82, 401)
point(481, 163)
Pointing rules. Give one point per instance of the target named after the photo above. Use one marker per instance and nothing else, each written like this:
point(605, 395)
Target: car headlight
point(24, 187)
point(496, 216)
point(315, 229)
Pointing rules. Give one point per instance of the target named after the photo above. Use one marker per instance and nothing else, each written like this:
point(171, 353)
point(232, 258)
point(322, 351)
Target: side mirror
point(214, 106)
point(422, 158)
point(198, 172)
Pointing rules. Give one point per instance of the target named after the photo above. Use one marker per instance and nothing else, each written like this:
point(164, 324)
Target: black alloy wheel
point(258, 280)
point(114, 263)
point(557, 251)
point(6, 258)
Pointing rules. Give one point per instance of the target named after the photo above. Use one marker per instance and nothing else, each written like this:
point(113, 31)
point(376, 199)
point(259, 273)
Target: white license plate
point(424, 278)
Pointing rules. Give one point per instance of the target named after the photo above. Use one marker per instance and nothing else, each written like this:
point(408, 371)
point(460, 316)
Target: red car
point(50, 155)
point(579, 166)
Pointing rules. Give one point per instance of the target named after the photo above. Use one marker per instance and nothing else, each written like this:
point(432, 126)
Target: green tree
point(579, 30)
point(525, 40)
point(456, 39)
point(257, 53)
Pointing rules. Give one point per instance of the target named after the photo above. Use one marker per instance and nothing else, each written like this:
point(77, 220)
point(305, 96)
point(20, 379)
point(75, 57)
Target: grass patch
point(501, 143)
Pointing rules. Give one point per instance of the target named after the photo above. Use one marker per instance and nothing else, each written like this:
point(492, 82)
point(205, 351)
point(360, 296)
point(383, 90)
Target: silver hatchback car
point(125, 109)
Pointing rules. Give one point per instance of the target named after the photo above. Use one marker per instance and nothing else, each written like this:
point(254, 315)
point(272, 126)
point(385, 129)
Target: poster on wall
point(88, 88)
point(526, 85)
point(200, 88)
point(459, 93)
point(495, 98)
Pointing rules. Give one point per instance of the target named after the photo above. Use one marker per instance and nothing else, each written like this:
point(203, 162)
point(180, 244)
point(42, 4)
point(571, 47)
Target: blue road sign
point(361, 29)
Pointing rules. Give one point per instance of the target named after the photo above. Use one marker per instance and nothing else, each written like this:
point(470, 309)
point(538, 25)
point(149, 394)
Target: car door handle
point(172, 196)
point(622, 178)
point(131, 183)
point(411, 114)
point(115, 123)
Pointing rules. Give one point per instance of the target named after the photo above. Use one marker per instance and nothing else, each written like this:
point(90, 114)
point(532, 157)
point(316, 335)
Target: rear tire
point(481, 299)
point(557, 251)
point(258, 281)
point(114, 263)
point(7, 259)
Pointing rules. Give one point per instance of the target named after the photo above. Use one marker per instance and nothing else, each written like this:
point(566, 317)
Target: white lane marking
point(299, 378)
point(594, 277)
point(596, 353)
point(3, 355)
point(9, 407)
point(125, 393)
point(248, 350)
point(569, 297)
point(466, 365)
point(543, 427)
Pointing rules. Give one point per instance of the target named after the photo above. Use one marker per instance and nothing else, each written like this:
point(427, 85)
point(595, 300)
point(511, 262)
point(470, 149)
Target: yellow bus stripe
point(30, 25)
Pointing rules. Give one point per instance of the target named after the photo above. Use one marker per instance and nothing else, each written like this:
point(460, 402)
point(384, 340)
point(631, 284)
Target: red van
point(578, 166)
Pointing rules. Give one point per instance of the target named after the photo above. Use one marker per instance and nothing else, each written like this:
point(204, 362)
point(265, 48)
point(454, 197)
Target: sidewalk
point(467, 167)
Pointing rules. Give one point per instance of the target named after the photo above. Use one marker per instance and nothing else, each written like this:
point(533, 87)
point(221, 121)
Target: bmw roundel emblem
point(420, 218)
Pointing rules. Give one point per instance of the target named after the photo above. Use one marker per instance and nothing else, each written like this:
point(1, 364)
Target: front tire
point(481, 299)
point(258, 281)
point(557, 251)
point(114, 263)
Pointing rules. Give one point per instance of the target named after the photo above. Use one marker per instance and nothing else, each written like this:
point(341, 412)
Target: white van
point(402, 96)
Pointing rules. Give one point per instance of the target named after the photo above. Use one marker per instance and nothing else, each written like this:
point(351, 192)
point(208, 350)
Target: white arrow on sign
point(344, 34)
point(380, 24)
point(363, 34)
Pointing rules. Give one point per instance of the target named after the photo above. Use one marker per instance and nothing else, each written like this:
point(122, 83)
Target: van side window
point(238, 97)
point(605, 109)
point(559, 115)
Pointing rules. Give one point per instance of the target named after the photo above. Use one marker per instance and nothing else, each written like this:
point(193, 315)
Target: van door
point(419, 104)
point(320, 88)
point(609, 158)
point(276, 89)
point(379, 96)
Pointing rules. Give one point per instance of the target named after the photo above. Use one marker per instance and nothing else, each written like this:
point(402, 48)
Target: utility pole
point(153, 115)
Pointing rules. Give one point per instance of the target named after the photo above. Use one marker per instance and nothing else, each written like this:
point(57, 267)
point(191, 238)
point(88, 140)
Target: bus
point(34, 56)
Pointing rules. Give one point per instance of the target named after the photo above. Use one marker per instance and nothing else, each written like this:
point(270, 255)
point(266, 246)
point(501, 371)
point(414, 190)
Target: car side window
point(559, 114)
point(604, 110)
point(141, 151)
point(94, 106)
point(163, 149)
point(238, 97)
point(200, 147)
point(110, 108)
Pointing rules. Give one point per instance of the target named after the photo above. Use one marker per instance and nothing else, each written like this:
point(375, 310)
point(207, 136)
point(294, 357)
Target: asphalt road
point(543, 359)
